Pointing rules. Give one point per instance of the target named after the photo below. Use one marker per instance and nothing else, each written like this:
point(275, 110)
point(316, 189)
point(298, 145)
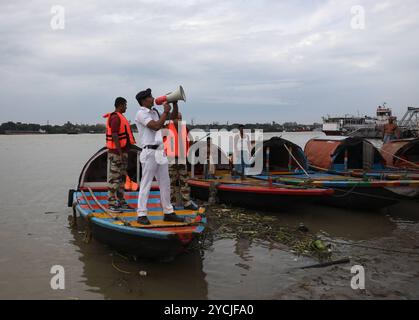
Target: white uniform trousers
point(152, 167)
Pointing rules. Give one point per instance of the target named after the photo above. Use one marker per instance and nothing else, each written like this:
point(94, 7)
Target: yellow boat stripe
point(102, 215)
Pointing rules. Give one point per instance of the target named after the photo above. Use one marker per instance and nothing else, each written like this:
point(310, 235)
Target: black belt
point(152, 146)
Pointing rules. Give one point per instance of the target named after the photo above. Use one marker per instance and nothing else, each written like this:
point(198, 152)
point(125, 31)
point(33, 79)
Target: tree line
point(12, 127)
point(71, 128)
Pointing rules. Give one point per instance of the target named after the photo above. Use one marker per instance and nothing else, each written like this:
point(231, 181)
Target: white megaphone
point(176, 95)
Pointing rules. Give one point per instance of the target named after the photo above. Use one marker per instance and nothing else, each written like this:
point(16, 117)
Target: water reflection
point(239, 269)
point(405, 211)
point(350, 225)
point(114, 276)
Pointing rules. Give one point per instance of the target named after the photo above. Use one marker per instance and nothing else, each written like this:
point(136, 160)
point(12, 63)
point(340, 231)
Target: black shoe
point(172, 217)
point(191, 206)
point(115, 209)
point(143, 220)
point(125, 207)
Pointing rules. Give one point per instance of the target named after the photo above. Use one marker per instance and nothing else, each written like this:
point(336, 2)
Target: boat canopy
point(95, 171)
point(280, 158)
point(343, 154)
point(402, 153)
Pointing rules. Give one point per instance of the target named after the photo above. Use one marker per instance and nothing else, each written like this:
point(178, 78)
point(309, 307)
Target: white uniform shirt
point(241, 144)
point(146, 135)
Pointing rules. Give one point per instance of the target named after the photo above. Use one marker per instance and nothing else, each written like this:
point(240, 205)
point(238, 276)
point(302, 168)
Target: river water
point(37, 171)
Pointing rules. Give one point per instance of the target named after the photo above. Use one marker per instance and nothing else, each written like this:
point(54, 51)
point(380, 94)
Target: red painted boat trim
point(133, 206)
point(153, 188)
point(127, 197)
point(264, 190)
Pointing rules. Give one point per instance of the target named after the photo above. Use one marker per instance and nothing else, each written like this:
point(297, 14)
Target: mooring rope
point(125, 222)
point(407, 161)
point(346, 192)
point(357, 244)
point(298, 163)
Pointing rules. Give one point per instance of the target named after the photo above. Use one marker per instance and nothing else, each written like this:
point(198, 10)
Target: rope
point(87, 202)
point(407, 161)
point(298, 163)
point(208, 134)
point(105, 211)
point(363, 194)
point(119, 269)
point(372, 247)
point(347, 192)
point(353, 132)
point(263, 183)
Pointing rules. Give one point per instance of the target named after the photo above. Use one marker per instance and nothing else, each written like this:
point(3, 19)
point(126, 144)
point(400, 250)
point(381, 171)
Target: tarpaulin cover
point(279, 156)
point(330, 154)
point(320, 153)
point(407, 149)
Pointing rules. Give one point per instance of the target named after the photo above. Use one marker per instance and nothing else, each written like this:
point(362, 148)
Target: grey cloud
point(245, 61)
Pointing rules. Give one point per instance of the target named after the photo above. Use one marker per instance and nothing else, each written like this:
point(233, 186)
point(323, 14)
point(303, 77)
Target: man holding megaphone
point(153, 160)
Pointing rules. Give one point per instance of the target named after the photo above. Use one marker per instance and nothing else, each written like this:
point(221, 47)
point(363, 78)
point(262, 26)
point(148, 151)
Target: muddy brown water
point(37, 171)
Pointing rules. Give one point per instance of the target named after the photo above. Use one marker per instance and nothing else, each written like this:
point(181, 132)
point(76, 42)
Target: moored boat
point(251, 192)
point(255, 194)
point(357, 163)
point(402, 162)
point(402, 154)
point(328, 157)
point(161, 240)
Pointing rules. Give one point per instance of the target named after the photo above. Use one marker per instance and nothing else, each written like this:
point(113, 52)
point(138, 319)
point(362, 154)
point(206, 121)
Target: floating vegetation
point(238, 223)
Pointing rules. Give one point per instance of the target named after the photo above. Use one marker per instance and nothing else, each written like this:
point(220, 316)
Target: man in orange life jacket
point(119, 139)
point(177, 147)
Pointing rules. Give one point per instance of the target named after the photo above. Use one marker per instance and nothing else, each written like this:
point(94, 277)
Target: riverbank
point(249, 254)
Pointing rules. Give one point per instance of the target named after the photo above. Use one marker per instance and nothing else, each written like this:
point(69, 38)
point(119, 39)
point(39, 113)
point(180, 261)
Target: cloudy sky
point(239, 61)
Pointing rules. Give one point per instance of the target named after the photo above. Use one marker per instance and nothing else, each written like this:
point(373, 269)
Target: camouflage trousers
point(116, 180)
point(179, 177)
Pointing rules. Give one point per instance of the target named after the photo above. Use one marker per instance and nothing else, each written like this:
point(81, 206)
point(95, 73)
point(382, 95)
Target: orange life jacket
point(130, 185)
point(171, 141)
point(125, 133)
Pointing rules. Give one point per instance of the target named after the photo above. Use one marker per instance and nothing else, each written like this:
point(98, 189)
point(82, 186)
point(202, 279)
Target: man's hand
point(115, 138)
point(157, 125)
point(167, 107)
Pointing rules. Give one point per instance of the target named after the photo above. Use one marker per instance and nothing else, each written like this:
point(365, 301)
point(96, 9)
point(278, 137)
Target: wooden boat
point(341, 154)
point(289, 164)
point(162, 240)
point(250, 192)
point(255, 194)
point(402, 154)
point(356, 163)
point(402, 162)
